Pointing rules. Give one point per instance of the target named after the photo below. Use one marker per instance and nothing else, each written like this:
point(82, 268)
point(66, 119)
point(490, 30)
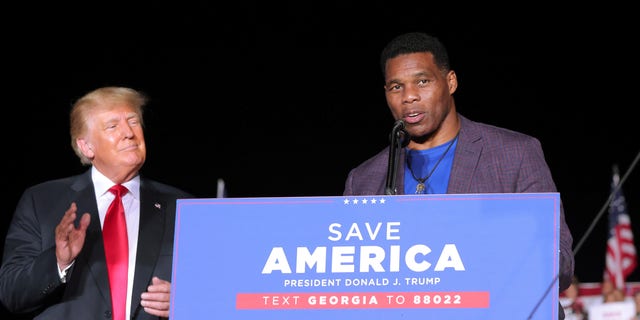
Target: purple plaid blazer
point(488, 159)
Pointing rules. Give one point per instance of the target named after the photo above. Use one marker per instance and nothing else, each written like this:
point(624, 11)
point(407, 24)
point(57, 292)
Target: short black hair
point(414, 42)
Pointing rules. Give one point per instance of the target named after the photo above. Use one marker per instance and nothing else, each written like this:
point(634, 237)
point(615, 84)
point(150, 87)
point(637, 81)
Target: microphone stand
point(399, 139)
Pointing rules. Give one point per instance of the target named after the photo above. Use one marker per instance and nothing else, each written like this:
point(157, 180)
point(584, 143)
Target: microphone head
point(398, 125)
point(399, 135)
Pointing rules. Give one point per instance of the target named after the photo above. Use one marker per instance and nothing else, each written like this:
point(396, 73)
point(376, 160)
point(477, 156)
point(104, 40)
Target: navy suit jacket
point(487, 159)
point(29, 281)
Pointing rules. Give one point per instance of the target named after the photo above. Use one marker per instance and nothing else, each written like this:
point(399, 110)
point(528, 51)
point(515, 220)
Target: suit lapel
point(151, 233)
point(92, 255)
point(467, 156)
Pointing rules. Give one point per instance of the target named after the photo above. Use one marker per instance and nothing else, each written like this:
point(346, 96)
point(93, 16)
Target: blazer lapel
point(467, 156)
point(92, 255)
point(151, 233)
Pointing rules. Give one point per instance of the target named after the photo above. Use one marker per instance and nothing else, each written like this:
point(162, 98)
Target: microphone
point(399, 139)
point(399, 133)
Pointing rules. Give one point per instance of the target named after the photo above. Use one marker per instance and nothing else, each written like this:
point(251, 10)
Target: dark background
point(282, 100)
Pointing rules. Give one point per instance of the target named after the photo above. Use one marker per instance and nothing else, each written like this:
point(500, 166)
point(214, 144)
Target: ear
point(86, 147)
point(452, 81)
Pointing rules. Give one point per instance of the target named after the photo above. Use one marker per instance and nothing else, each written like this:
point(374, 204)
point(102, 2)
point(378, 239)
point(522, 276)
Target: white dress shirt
point(131, 203)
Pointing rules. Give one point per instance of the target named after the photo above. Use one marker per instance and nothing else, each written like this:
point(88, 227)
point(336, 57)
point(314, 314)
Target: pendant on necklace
point(420, 188)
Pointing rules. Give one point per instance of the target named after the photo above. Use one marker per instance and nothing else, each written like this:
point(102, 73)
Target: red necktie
point(116, 248)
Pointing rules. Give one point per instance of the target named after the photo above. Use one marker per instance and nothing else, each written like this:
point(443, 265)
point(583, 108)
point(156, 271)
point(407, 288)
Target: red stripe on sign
point(362, 300)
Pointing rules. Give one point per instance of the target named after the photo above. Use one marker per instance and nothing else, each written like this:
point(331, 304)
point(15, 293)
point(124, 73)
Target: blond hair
point(99, 99)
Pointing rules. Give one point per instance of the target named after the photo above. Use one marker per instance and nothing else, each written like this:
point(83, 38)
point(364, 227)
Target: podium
point(463, 256)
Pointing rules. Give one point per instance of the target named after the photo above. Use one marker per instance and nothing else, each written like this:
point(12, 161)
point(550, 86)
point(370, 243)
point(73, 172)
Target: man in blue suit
point(54, 264)
point(446, 152)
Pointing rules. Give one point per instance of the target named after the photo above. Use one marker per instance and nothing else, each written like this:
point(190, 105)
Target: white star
point(364, 201)
point(382, 200)
point(374, 200)
point(346, 201)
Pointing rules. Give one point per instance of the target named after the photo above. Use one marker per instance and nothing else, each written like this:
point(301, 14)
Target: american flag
point(621, 256)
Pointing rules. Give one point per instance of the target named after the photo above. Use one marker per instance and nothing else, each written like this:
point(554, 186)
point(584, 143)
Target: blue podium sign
point(466, 256)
